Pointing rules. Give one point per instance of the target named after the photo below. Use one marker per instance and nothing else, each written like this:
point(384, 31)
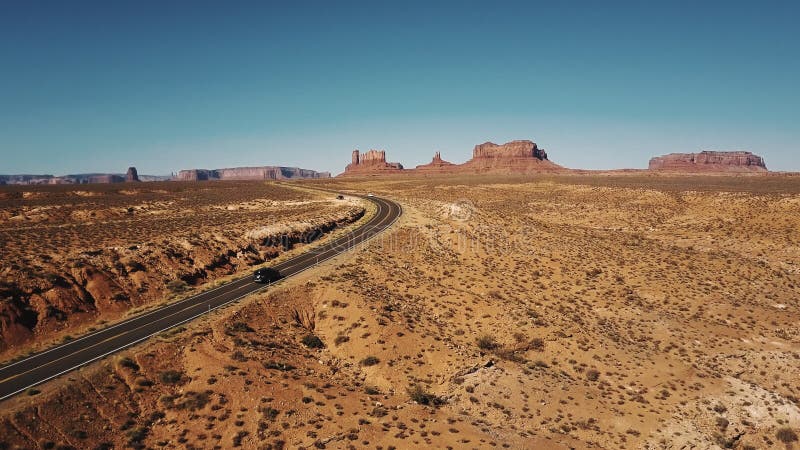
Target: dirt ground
point(499, 312)
point(75, 257)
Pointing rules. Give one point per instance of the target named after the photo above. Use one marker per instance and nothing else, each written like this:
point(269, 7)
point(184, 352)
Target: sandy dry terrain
point(555, 312)
point(79, 256)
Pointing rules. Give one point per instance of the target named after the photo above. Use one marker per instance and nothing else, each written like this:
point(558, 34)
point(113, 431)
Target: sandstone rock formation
point(513, 149)
point(132, 175)
point(249, 173)
point(102, 178)
point(709, 161)
point(437, 164)
point(371, 161)
point(511, 157)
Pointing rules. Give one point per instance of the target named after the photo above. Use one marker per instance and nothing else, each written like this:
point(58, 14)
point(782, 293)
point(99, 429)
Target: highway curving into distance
point(21, 375)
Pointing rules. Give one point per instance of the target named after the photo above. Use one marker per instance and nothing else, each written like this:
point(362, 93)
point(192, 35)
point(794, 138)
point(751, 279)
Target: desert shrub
point(509, 354)
point(128, 363)
point(537, 344)
point(284, 367)
point(340, 340)
point(487, 342)
point(143, 382)
point(423, 397)
point(379, 411)
point(592, 375)
point(237, 440)
point(312, 341)
point(371, 390)
point(137, 435)
point(369, 361)
point(269, 412)
point(177, 286)
point(238, 327)
point(170, 376)
point(238, 356)
point(786, 435)
point(79, 434)
point(193, 400)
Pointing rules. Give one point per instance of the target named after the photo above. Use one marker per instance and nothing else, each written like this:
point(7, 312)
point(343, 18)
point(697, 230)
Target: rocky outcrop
point(102, 178)
point(514, 149)
point(373, 161)
point(437, 164)
point(59, 296)
point(511, 157)
point(249, 173)
point(709, 162)
point(132, 175)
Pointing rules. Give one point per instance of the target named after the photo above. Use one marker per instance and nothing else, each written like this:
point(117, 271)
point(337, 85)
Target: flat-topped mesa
point(437, 164)
point(371, 161)
point(513, 149)
point(709, 162)
point(514, 156)
point(249, 173)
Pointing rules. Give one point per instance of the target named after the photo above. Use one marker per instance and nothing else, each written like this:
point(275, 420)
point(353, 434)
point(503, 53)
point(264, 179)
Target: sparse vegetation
point(487, 342)
point(786, 435)
point(609, 311)
point(170, 376)
point(369, 361)
point(418, 394)
point(312, 341)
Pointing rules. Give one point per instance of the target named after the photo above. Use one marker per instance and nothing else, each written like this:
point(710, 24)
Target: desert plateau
point(555, 311)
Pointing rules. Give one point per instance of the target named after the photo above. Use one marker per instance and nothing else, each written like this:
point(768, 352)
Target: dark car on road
point(266, 275)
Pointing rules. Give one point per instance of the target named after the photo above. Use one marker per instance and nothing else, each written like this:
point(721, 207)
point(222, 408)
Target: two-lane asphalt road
point(40, 367)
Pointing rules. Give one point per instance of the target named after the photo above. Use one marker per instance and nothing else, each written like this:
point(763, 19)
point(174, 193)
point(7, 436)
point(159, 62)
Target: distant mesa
point(709, 162)
point(373, 161)
point(85, 178)
point(511, 157)
point(249, 173)
point(132, 175)
point(514, 149)
point(437, 164)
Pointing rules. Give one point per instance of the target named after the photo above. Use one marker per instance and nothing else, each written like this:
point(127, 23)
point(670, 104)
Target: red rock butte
point(511, 157)
point(709, 162)
point(373, 161)
point(437, 164)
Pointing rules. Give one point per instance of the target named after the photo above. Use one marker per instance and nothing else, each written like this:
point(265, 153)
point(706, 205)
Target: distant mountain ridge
point(81, 178)
point(234, 173)
point(250, 173)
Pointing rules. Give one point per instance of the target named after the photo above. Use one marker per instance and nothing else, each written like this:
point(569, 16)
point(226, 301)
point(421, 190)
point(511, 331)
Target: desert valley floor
point(536, 312)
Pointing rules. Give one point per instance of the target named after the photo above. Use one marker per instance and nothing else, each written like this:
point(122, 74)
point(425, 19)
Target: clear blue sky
point(98, 86)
